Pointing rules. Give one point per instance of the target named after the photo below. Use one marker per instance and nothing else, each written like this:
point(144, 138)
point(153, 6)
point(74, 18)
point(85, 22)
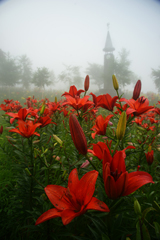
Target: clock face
point(107, 56)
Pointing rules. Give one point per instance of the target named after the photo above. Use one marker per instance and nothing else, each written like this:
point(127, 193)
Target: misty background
point(63, 40)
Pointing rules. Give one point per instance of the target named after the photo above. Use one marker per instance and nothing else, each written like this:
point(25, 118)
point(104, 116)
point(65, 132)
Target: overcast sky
point(73, 32)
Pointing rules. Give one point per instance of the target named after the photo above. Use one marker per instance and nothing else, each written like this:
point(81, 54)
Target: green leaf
point(157, 229)
point(156, 206)
point(138, 234)
point(147, 210)
point(93, 232)
point(105, 237)
point(145, 232)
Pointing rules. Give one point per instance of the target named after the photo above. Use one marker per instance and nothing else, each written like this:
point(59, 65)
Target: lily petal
point(136, 180)
point(96, 204)
point(51, 213)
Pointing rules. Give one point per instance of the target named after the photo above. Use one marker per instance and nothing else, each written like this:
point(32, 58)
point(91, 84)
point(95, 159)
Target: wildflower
point(26, 129)
point(73, 92)
point(74, 200)
point(45, 121)
point(117, 181)
point(77, 134)
point(107, 102)
point(77, 102)
point(137, 107)
point(98, 149)
point(22, 114)
point(101, 125)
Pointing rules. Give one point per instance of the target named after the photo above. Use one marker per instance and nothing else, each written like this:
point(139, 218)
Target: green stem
point(94, 166)
point(32, 172)
point(115, 147)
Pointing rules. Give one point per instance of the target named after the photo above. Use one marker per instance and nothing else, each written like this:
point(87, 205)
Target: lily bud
point(42, 108)
point(58, 139)
point(77, 134)
point(121, 127)
point(86, 83)
point(149, 155)
point(137, 207)
point(1, 130)
point(28, 172)
point(55, 99)
point(115, 82)
point(137, 90)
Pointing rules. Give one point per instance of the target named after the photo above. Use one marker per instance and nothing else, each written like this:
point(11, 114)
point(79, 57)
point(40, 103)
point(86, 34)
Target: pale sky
point(73, 32)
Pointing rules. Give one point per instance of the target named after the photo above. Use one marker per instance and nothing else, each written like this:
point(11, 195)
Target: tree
point(41, 78)
point(71, 75)
point(52, 77)
point(25, 70)
point(9, 70)
point(124, 75)
point(96, 73)
point(156, 77)
point(121, 69)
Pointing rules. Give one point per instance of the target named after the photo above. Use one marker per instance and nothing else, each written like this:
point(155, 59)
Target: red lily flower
point(45, 121)
point(149, 157)
point(77, 102)
point(73, 92)
point(77, 134)
point(101, 125)
point(7, 101)
point(22, 114)
point(138, 121)
point(117, 181)
point(107, 102)
point(74, 200)
point(137, 107)
point(98, 149)
point(5, 108)
point(95, 99)
point(26, 129)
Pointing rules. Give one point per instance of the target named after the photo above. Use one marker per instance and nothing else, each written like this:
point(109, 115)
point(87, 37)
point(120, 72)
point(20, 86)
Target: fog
point(73, 32)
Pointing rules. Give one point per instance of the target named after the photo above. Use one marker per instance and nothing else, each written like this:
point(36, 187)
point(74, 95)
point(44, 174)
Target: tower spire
point(108, 45)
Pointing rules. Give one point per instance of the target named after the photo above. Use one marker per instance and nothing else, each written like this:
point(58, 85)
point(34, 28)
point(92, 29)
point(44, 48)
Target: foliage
point(25, 71)
point(156, 77)
point(71, 75)
point(124, 75)
point(96, 73)
point(41, 77)
point(9, 70)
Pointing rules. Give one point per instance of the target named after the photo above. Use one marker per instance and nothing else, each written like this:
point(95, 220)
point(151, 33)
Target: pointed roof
point(108, 45)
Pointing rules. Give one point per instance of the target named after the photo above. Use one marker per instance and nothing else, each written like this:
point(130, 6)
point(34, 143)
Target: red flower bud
point(77, 134)
point(149, 157)
point(137, 90)
point(86, 83)
point(1, 130)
